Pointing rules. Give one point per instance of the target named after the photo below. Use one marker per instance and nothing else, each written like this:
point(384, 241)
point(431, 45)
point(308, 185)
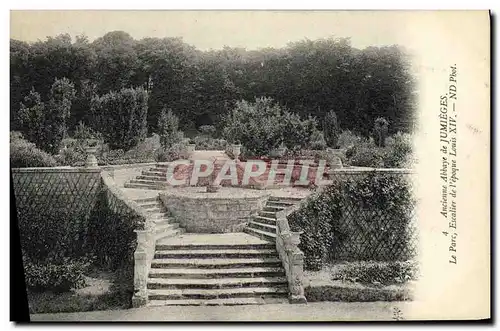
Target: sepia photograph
point(251, 165)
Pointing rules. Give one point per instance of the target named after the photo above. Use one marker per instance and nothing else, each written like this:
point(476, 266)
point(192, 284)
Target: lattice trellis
point(366, 230)
point(372, 232)
point(65, 194)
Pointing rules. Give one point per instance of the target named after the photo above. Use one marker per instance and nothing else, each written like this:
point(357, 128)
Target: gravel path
point(316, 311)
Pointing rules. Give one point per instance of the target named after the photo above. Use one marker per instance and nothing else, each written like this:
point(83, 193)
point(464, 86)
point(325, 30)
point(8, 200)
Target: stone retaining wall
point(213, 215)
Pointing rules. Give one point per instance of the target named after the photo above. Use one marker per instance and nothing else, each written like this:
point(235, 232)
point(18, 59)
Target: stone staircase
point(152, 179)
point(216, 269)
point(163, 226)
point(264, 224)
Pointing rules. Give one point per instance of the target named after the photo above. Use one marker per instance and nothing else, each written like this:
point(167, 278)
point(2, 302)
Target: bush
point(121, 117)
point(263, 126)
point(372, 272)
point(173, 153)
point(331, 129)
point(57, 277)
point(317, 141)
point(73, 151)
point(348, 139)
point(207, 130)
point(350, 218)
point(24, 154)
point(363, 156)
point(399, 151)
point(168, 128)
point(210, 144)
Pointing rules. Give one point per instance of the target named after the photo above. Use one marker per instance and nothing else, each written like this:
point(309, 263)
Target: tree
point(168, 128)
point(331, 129)
point(46, 126)
point(264, 125)
point(380, 131)
point(121, 117)
point(58, 112)
point(31, 117)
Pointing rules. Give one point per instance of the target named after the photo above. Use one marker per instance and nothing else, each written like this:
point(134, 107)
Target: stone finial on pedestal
point(236, 150)
point(91, 150)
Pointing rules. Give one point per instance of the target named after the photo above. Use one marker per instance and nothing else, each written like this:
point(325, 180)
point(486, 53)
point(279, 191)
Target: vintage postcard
point(251, 165)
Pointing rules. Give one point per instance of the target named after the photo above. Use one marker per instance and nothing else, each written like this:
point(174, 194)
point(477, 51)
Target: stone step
point(275, 198)
point(152, 178)
point(142, 186)
point(169, 233)
point(151, 205)
point(147, 182)
point(211, 253)
point(261, 234)
point(159, 215)
point(179, 283)
point(189, 273)
point(164, 294)
point(273, 208)
point(265, 220)
point(268, 214)
point(262, 226)
point(154, 172)
point(196, 246)
point(217, 302)
point(157, 211)
point(281, 203)
point(165, 226)
point(154, 199)
point(215, 263)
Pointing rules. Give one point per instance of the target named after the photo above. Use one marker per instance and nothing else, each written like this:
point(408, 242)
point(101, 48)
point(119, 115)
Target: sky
point(215, 29)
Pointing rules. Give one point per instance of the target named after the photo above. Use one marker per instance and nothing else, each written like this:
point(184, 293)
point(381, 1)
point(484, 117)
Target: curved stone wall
point(221, 212)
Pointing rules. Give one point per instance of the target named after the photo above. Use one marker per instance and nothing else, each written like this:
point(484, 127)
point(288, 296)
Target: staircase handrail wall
point(144, 252)
point(290, 255)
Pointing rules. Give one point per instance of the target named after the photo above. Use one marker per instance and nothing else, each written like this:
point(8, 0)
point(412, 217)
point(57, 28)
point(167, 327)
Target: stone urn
point(91, 150)
point(190, 148)
point(236, 150)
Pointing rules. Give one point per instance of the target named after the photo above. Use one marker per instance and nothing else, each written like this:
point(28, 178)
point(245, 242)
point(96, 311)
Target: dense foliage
point(24, 154)
point(264, 126)
point(121, 117)
point(380, 273)
point(357, 218)
point(331, 129)
point(57, 250)
point(308, 76)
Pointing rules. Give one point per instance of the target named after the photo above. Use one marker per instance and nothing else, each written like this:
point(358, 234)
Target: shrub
point(399, 151)
point(144, 150)
point(317, 141)
point(168, 128)
point(121, 117)
point(331, 129)
point(263, 126)
point(173, 153)
point(376, 272)
point(207, 130)
point(110, 235)
point(350, 218)
point(61, 276)
point(348, 139)
point(24, 154)
point(47, 124)
point(363, 156)
point(210, 144)
point(73, 151)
